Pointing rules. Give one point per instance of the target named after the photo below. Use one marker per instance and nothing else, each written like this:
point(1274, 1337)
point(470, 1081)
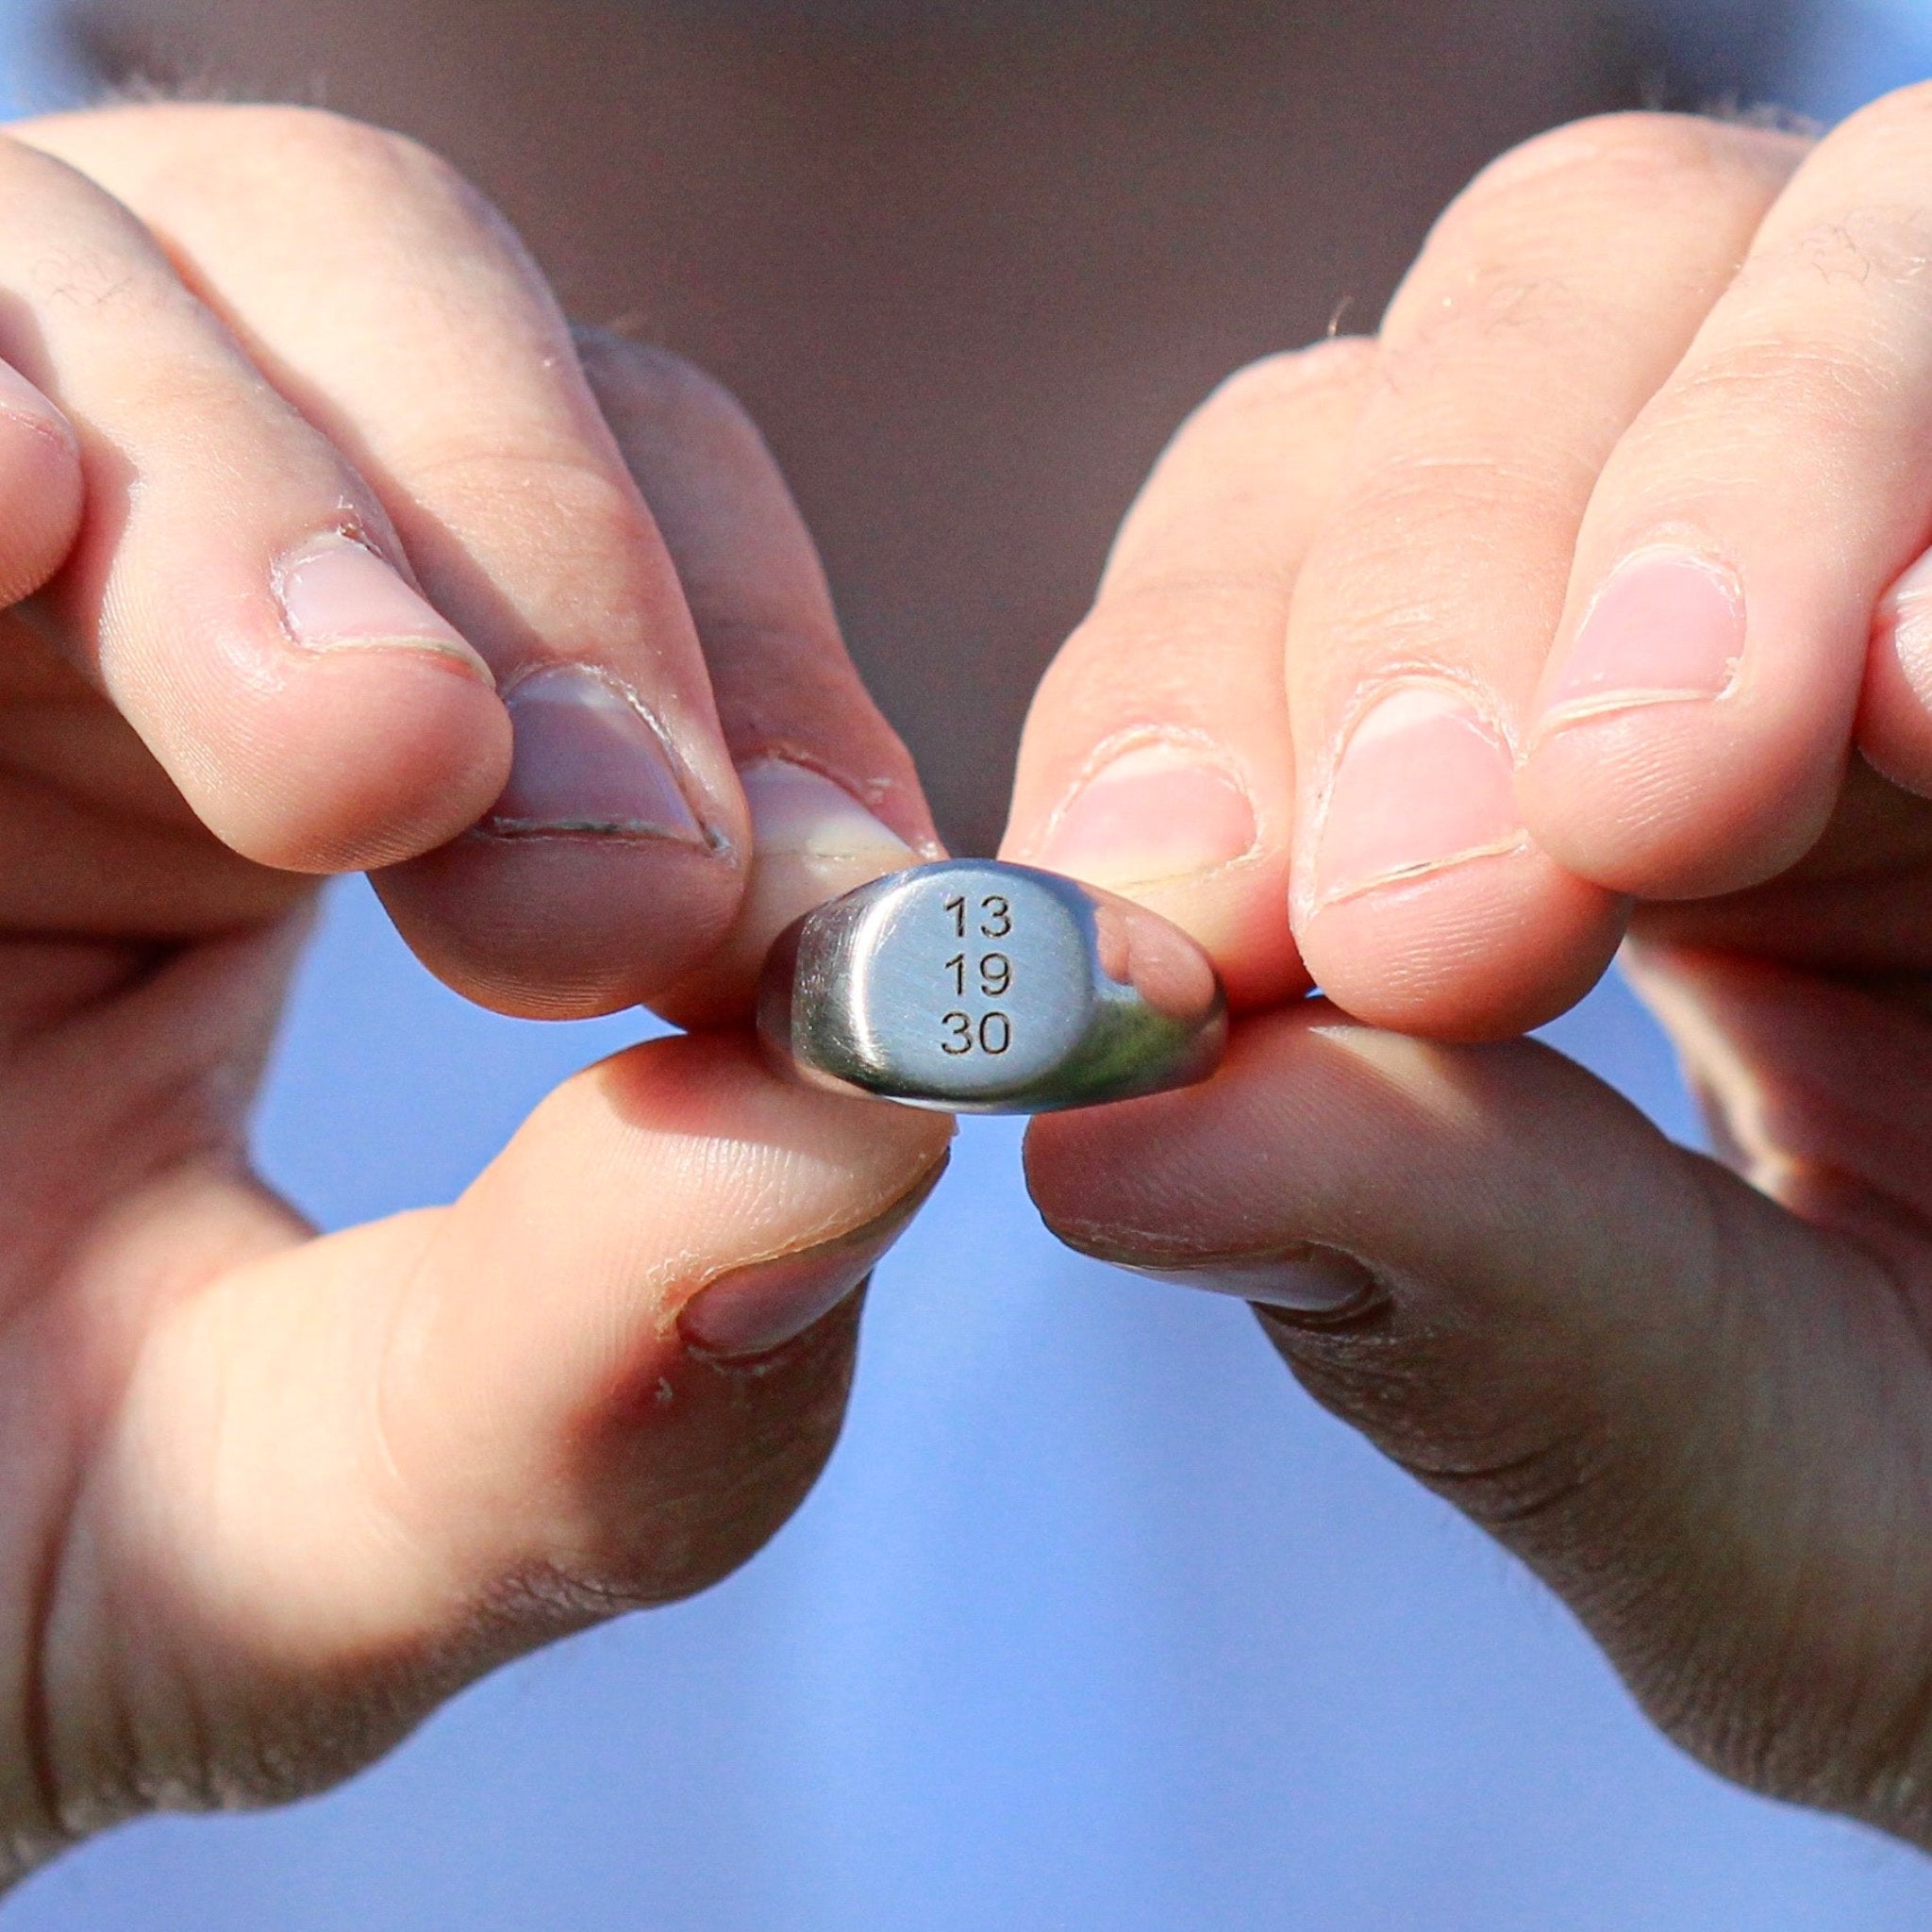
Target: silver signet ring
point(980, 987)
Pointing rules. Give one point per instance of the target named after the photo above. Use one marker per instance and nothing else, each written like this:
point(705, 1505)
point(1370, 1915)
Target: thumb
point(1701, 1419)
point(353, 1473)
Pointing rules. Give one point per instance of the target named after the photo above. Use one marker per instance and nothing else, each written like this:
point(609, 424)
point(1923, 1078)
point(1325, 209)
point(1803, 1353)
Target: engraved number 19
point(995, 975)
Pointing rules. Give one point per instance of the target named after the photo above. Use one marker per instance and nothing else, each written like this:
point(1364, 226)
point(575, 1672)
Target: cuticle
point(1373, 1298)
point(541, 667)
point(1684, 543)
point(869, 794)
point(779, 753)
point(1123, 743)
point(349, 530)
point(1387, 685)
point(56, 429)
point(1374, 1295)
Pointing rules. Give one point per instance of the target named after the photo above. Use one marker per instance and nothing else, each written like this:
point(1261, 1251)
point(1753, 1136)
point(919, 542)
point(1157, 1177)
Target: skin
point(1691, 1394)
point(1689, 1397)
point(913, 243)
point(275, 1496)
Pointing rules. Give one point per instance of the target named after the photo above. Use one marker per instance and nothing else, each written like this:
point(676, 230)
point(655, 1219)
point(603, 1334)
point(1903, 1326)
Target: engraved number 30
point(993, 1035)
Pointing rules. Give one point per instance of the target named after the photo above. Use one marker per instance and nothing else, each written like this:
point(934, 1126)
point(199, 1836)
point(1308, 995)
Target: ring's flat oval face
point(986, 988)
point(977, 982)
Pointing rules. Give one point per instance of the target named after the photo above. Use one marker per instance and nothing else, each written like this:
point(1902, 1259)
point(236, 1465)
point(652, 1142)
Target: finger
point(395, 308)
point(1549, 304)
point(1700, 1420)
point(41, 487)
point(95, 839)
point(1815, 1089)
point(1854, 906)
point(1157, 759)
point(1697, 714)
point(833, 797)
point(600, 1379)
point(228, 589)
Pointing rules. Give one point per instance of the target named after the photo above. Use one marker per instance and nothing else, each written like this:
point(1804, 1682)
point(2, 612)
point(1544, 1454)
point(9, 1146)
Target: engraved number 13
point(996, 919)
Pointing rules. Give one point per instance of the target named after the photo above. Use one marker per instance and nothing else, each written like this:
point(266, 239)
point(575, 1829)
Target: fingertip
point(316, 712)
point(1692, 733)
point(1670, 802)
point(603, 872)
point(565, 926)
point(349, 760)
point(812, 841)
point(856, 1155)
point(1173, 824)
point(1237, 915)
point(1486, 949)
point(1130, 1183)
point(1895, 723)
point(583, 1427)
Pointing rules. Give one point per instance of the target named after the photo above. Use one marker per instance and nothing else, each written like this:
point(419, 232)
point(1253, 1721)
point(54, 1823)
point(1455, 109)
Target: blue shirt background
point(1095, 1621)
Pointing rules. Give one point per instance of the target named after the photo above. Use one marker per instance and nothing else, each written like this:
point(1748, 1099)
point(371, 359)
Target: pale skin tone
point(914, 241)
point(274, 1496)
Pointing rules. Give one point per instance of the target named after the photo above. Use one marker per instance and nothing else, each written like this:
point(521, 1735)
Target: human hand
point(1598, 578)
point(312, 498)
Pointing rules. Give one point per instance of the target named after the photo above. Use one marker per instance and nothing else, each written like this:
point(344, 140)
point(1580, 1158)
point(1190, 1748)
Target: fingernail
point(1309, 1278)
point(1424, 782)
point(754, 1310)
point(812, 841)
point(800, 813)
point(1160, 812)
point(337, 595)
point(586, 758)
point(1904, 617)
point(1667, 627)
